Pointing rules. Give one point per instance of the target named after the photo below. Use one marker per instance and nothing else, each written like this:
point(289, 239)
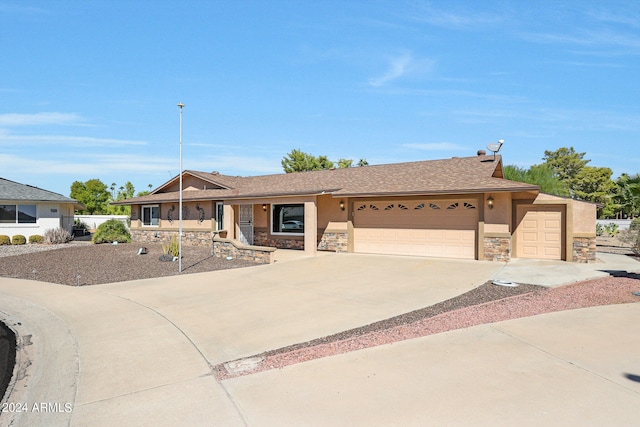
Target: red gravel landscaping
point(476, 307)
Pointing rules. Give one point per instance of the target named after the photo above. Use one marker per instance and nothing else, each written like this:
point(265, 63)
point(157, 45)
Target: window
point(20, 214)
point(287, 219)
point(219, 216)
point(150, 215)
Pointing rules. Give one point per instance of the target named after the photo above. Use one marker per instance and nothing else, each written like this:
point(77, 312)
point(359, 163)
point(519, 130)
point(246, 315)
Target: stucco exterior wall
point(195, 215)
point(584, 217)
point(498, 219)
point(48, 216)
point(189, 183)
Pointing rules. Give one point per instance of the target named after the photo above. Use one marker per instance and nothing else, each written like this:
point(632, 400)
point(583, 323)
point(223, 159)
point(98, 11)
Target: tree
point(362, 162)
point(299, 161)
point(565, 162)
point(344, 163)
point(541, 175)
point(594, 184)
point(92, 194)
point(126, 191)
point(628, 195)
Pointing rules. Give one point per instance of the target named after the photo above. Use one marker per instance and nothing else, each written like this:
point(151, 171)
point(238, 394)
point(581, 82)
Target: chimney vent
point(482, 153)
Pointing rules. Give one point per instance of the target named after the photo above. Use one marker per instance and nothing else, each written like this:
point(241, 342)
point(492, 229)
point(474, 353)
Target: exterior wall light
point(341, 205)
point(490, 202)
point(264, 207)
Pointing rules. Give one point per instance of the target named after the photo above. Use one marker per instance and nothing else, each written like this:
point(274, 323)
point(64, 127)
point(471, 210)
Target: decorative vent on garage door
point(468, 205)
point(420, 206)
point(434, 206)
point(453, 206)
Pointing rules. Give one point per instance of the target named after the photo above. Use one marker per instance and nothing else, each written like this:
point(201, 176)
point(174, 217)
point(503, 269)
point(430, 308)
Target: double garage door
point(438, 228)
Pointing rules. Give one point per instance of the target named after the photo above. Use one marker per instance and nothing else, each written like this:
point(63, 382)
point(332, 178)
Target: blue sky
point(89, 88)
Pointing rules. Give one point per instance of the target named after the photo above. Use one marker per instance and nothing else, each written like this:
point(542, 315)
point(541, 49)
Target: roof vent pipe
point(482, 153)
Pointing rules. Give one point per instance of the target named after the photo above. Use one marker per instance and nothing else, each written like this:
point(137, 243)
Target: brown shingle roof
point(463, 175)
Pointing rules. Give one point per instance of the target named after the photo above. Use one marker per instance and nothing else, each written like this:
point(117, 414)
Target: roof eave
point(437, 192)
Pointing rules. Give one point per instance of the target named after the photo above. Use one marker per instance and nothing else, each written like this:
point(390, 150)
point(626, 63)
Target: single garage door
point(539, 232)
point(423, 228)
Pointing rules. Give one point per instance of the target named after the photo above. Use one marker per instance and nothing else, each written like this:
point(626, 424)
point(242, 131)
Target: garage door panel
point(417, 230)
point(552, 237)
point(539, 232)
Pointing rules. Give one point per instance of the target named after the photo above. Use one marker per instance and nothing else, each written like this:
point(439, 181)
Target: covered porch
point(306, 223)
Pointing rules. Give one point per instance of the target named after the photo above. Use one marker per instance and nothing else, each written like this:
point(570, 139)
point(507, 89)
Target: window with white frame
point(151, 215)
point(18, 214)
point(287, 219)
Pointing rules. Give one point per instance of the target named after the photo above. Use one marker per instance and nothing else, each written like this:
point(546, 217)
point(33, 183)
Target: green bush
point(5, 240)
point(612, 229)
point(111, 231)
point(599, 229)
point(18, 239)
point(36, 238)
point(57, 235)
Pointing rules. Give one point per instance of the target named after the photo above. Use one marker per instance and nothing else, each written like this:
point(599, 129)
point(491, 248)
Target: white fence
point(94, 221)
point(623, 224)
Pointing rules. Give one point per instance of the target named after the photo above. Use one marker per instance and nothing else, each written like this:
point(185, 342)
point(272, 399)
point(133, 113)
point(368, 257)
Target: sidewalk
point(555, 273)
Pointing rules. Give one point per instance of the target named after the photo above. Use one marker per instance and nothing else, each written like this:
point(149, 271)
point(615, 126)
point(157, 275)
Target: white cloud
point(458, 20)
point(436, 146)
point(397, 68)
point(14, 119)
point(62, 140)
point(402, 65)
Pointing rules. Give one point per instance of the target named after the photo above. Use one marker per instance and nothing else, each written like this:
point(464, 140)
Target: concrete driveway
point(140, 353)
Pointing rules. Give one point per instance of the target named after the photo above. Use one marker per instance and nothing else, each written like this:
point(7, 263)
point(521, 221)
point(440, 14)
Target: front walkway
point(555, 273)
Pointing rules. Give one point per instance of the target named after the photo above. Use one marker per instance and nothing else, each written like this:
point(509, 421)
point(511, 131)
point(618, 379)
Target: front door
point(245, 222)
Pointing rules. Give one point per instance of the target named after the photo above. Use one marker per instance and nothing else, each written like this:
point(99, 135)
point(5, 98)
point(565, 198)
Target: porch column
point(229, 221)
point(310, 227)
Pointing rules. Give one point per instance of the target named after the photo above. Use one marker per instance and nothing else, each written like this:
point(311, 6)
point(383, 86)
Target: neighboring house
point(28, 210)
point(456, 208)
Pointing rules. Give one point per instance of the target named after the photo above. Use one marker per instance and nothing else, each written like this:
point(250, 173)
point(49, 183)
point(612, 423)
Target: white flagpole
point(180, 203)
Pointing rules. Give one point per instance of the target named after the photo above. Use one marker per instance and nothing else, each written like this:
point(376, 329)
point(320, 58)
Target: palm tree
point(628, 197)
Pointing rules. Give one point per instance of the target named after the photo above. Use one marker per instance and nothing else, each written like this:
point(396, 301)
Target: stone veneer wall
point(223, 248)
point(189, 238)
point(584, 249)
point(497, 248)
point(261, 238)
point(327, 241)
point(333, 241)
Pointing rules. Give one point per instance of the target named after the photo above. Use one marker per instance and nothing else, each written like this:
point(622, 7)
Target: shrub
point(599, 229)
point(173, 248)
point(36, 238)
point(57, 235)
point(111, 231)
point(5, 240)
point(80, 225)
point(632, 236)
point(18, 239)
point(612, 229)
